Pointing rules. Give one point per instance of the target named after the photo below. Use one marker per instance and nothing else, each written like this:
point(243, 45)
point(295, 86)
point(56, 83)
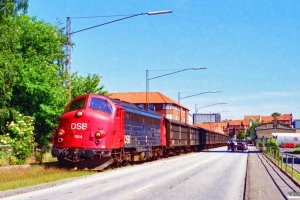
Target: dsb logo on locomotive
point(78, 126)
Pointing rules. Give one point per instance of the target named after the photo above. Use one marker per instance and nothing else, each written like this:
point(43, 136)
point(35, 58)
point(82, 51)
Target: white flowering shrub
point(20, 135)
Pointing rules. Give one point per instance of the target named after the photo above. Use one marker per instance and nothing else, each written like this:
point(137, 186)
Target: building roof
point(267, 119)
point(223, 124)
point(235, 122)
point(250, 117)
point(285, 117)
point(239, 122)
point(140, 97)
point(216, 127)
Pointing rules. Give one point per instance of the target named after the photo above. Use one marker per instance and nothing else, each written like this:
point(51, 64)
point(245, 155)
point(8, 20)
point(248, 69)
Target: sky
point(251, 50)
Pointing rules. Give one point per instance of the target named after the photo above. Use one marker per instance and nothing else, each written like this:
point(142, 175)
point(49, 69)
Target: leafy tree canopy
point(241, 135)
point(251, 130)
point(12, 7)
point(88, 85)
point(32, 76)
point(276, 114)
point(30, 57)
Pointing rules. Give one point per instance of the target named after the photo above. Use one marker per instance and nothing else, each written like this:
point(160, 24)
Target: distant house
point(267, 130)
point(270, 125)
point(234, 126)
point(158, 102)
point(282, 119)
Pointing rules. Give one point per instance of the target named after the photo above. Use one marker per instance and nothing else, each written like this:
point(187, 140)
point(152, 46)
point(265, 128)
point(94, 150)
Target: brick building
point(234, 126)
point(158, 102)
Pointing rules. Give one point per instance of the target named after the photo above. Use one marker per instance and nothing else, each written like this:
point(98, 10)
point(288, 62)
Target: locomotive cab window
point(100, 104)
point(77, 104)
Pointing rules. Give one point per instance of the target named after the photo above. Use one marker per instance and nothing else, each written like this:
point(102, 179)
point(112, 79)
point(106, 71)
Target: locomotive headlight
point(60, 133)
point(79, 113)
point(98, 134)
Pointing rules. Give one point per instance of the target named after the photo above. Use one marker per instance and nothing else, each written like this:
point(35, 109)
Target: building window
point(167, 106)
point(141, 105)
point(151, 107)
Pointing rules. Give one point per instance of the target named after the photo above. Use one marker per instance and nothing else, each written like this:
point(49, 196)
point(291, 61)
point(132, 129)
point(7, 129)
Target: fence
point(285, 161)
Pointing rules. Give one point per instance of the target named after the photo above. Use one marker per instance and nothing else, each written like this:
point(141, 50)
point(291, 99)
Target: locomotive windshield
point(77, 104)
point(100, 104)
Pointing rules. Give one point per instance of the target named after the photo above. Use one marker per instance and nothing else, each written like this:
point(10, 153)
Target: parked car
point(288, 145)
point(242, 146)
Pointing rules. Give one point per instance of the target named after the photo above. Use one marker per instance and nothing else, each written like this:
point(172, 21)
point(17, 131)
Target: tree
point(88, 85)
point(32, 75)
point(31, 55)
point(251, 130)
point(241, 135)
point(276, 114)
point(12, 7)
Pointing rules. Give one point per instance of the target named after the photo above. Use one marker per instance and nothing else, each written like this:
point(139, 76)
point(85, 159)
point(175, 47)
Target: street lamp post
point(227, 117)
point(220, 114)
point(69, 33)
point(195, 95)
point(148, 79)
point(192, 96)
point(222, 111)
point(208, 106)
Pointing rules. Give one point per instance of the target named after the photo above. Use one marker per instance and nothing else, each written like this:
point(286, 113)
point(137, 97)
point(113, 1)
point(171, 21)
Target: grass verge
point(285, 167)
point(295, 151)
point(36, 174)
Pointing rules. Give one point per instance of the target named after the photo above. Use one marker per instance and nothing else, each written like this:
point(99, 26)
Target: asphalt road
point(214, 174)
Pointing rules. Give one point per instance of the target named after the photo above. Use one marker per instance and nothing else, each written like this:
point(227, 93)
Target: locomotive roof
point(132, 107)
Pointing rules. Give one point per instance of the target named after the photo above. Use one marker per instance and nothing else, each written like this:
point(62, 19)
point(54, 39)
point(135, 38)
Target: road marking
point(198, 164)
point(143, 188)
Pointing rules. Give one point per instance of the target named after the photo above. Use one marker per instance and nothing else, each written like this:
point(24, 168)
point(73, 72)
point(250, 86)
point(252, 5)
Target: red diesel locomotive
point(96, 131)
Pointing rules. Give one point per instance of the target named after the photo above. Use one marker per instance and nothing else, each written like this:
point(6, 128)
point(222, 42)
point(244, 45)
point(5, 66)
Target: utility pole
point(68, 57)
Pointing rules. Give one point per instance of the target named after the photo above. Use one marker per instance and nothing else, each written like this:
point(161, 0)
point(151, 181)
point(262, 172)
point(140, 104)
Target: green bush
point(272, 144)
point(21, 137)
point(260, 144)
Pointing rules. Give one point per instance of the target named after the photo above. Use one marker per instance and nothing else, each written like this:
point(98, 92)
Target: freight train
point(97, 131)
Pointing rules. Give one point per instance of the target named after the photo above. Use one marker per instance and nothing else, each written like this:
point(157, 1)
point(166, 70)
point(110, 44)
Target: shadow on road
point(222, 151)
point(290, 160)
